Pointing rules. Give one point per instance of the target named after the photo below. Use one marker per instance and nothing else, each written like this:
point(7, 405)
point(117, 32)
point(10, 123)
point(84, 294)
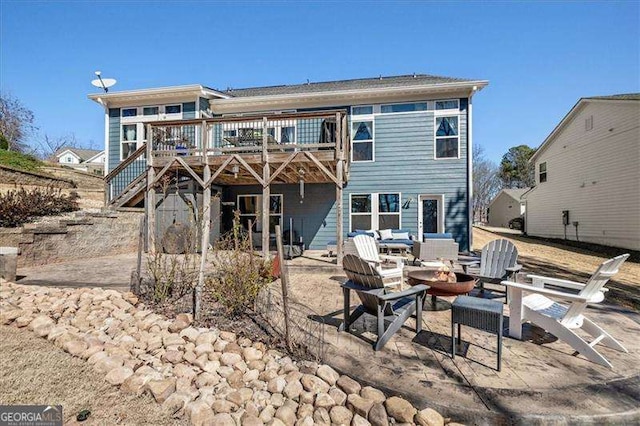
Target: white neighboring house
point(588, 175)
point(88, 160)
point(505, 206)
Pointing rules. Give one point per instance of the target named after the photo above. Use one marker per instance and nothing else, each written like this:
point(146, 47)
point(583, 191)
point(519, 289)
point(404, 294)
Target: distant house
point(588, 175)
point(88, 160)
point(506, 206)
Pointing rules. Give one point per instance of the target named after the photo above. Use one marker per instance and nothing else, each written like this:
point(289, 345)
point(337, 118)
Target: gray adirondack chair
point(498, 262)
point(392, 308)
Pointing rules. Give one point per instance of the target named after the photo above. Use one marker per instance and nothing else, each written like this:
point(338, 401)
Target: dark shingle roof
point(621, 97)
point(355, 84)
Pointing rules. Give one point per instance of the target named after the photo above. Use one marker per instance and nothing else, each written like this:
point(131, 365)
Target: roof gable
point(582, 102)
point(80, 153)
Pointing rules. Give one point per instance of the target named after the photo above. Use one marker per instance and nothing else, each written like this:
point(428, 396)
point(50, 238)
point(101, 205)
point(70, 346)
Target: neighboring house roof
point(339, 85)
point(624, 97)
point(514, 193)
point(90, 159)
point(82, 154)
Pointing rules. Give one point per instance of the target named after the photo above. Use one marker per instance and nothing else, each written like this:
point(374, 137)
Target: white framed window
point(542, 172)
point(129, 139)
point(362, 110)
point(250, 207)
point(403, 107)
point(447, 137)
point(362, 140)
point(150, 110)
point(173, 109)
point(129, 112)
point(447, 104)
point(374, 211)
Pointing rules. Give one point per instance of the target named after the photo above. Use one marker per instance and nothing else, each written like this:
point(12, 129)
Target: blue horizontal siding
point(314, 218)
point(114, 138)
point(405, 163)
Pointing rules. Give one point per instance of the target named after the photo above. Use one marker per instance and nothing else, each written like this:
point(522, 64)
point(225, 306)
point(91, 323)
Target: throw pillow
point(385, 234)
point(374, 232)
point(401, 236)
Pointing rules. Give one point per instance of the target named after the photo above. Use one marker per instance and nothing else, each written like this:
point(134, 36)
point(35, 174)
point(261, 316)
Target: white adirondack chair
point(367, 250)
point(536, 303)
point(499, 261)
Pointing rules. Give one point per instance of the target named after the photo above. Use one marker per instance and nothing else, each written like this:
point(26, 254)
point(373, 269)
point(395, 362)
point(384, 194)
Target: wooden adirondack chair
point(393, 308)
point(367, 250)
point(498, 262)
point(535, 303)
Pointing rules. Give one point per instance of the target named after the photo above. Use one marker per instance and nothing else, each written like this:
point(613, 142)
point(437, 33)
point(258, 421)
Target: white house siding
point(595, 175)
point(69, 159)
point(502, 209)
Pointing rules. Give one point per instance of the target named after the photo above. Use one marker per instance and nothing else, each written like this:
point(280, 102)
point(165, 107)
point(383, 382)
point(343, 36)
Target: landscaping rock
point(276, 385)
point(341, 415)
point(429, 417)
point(286, 415)
point(400, 409)
point(359, 421)
point(293, 390)
point(162, 389)
point(75, 347)
point(338, 396)
point(328, 374)
point(323, 400)
point(372, 394)
point(251, 354)
point(314, 384)
point(222, 406)
point(229, 358)
point(199, 413)
point(378, 415)
point(107, 363)
point(117, 376)
point(172, 356)
point(321, 416)
point(348, 385)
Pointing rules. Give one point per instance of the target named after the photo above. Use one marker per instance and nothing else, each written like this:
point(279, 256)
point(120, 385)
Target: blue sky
point(540, 57)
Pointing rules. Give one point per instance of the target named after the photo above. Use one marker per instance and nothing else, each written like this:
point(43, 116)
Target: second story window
point(362, 141)
point(173, 109)
point(543, 172)
point(447, 139)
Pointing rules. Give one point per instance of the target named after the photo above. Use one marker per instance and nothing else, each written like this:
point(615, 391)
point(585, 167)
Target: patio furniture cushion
point(408, 243)
point(441, 235)
point(386, 234)
point(400, 235)
point(360, 232)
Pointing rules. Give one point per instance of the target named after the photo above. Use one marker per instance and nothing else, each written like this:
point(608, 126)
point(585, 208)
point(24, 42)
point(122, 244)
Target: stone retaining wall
point(11, 175)
point(81, 236)
point(210, 376)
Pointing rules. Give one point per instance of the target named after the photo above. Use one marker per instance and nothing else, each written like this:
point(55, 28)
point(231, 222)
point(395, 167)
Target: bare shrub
point(21, 206)
point(240, 273)
point(173, 266)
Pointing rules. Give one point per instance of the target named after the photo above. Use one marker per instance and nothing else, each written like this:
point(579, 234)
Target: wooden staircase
point(125, 185)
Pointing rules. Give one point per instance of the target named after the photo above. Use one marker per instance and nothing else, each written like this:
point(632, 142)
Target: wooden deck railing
point(128, 172)
point(232, 135)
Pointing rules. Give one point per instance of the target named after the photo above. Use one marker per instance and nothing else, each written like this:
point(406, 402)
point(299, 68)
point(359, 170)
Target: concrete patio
point(542, 379)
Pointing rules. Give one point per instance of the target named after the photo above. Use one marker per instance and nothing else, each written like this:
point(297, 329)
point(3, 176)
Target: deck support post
point(266, 190)
point(205, 228)
point(340, 182)
point(150, 204)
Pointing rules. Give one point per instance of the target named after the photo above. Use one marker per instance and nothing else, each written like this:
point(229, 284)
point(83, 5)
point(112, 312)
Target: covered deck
point(297, 148)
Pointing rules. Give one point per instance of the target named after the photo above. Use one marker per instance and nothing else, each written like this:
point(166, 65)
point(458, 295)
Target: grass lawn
point(20, 161)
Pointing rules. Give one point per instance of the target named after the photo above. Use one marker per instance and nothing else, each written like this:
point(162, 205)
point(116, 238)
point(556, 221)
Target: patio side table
point(481, 314)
